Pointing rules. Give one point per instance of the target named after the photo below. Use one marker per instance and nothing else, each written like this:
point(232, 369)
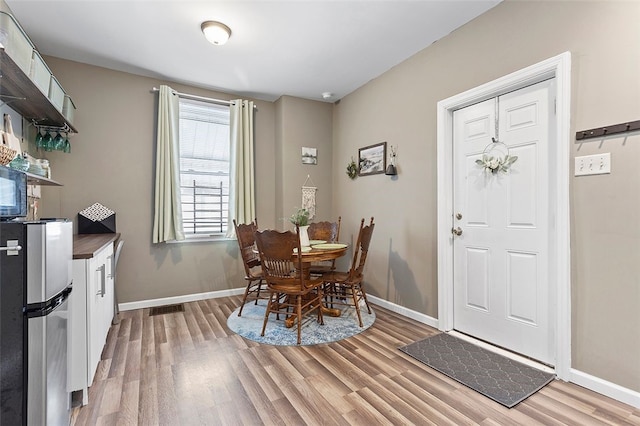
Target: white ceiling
point(297, 48)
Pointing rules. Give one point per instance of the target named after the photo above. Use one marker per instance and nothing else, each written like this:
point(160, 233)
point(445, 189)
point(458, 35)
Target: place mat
point(331, 246)
point(502, 379)
point(303, 249)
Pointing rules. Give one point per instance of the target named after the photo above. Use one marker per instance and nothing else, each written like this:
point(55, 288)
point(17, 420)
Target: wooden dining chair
point(342, 287)
point(290, 293)
point(326, 231)
point(253, 274)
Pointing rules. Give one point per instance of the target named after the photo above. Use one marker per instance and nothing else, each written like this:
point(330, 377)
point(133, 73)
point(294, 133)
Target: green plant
point(352, 169)
point(300, 217)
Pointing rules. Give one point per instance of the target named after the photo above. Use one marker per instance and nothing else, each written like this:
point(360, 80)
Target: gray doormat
point(502, 379)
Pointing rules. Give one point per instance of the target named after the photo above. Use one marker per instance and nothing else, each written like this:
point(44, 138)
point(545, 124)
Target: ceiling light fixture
point(327, 95)
point(216, 32)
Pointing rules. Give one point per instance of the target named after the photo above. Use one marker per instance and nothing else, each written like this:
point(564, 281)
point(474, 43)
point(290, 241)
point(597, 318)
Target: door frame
point(558, 67)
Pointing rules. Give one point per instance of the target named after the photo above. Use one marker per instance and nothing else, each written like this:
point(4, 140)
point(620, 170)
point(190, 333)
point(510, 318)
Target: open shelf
point(21, 94)
point(40, 180)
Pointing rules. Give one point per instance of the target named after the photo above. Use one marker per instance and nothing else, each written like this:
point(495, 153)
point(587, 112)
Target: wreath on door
point(496, 158)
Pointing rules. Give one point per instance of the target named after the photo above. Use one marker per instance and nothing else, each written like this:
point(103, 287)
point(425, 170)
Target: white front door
point(502, 288)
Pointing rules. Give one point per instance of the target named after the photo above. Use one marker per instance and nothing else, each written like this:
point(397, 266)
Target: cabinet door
point(99, 305)
point(94, 341)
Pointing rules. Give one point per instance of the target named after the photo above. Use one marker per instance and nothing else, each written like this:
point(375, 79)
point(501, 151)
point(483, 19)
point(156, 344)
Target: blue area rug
point(249, 326)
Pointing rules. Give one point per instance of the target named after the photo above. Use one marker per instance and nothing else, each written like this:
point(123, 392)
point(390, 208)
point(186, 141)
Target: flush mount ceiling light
point(216, 32)
point(327, 95)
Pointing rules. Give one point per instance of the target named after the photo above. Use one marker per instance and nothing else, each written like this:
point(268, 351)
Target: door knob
point(456, 231)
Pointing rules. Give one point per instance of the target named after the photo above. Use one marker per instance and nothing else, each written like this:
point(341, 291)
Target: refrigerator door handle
point(12, 248)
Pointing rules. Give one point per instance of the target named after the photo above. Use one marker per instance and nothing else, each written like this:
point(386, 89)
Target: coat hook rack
point(629, 126)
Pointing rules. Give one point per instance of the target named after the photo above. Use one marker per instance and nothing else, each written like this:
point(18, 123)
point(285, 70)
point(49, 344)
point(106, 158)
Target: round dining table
point(318, 253)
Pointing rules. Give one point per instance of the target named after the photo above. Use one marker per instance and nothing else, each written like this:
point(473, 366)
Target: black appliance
point(35, 282)
point(13, 193)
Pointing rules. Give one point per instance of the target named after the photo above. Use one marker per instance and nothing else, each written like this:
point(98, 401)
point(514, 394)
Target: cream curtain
point(167, 220)
point(242, 206)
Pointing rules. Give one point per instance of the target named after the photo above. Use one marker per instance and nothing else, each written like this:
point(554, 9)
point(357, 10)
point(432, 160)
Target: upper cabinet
point(23, 72)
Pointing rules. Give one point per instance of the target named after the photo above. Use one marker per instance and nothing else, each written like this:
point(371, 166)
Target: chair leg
point(356, 303)
point(320, 304)
point(244, 298)
point(364, 296)
point(299, 315)
point(258, 290)
point(266, 314)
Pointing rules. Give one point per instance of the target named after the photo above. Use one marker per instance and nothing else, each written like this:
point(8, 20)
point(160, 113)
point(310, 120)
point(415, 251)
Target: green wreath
point(352, 169)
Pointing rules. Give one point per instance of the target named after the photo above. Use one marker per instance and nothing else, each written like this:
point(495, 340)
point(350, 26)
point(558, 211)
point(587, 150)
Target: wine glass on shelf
point(47, 142)
point(67, 144)
point(58, 142)
point(38, 140)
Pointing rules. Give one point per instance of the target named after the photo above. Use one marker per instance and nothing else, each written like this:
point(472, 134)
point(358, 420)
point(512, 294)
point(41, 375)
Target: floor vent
point(167, 309)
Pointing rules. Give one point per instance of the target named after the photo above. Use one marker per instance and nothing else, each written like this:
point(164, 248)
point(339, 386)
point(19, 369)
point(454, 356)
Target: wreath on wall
point(352, 169)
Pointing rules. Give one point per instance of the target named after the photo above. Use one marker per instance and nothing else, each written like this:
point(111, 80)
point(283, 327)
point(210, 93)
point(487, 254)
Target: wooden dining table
point(318, 255)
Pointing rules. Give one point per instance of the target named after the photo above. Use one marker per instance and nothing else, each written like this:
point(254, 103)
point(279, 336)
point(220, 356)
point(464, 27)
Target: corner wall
point(112, 162)
point(400, 107)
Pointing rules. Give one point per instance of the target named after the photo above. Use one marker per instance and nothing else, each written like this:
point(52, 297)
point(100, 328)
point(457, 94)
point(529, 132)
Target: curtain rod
point(199, 98)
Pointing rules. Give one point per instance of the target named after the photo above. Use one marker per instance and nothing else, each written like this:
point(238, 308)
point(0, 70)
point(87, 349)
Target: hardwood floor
point(188, 368)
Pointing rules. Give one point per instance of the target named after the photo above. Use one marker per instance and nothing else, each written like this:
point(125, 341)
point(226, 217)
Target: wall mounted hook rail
point(629, 126)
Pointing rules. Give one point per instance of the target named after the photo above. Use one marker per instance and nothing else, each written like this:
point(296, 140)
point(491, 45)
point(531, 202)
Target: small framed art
point(309, 155)
point(372, 159)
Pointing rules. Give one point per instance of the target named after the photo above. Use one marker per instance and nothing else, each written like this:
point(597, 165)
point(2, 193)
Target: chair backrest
point(361, 249)
point(246, 242)
point(327, 231)
point(279, 265)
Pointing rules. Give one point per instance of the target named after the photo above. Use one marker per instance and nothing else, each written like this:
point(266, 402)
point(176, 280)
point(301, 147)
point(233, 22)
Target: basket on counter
point(6, 154)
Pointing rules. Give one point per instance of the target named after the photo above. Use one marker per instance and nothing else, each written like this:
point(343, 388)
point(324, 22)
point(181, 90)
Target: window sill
point(202, 239)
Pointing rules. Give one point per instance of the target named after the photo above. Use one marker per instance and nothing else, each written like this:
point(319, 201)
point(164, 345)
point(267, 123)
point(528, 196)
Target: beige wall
point(112, 162)
point(400, 107)
point(303, 123)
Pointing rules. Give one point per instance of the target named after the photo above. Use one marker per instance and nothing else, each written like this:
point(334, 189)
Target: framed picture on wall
point(372, 159)
point(309, 155)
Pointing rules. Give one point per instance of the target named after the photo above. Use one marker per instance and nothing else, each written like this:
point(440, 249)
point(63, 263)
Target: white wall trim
point(129, 306)
point(606, 388)
point(560, 68)
point(414, 315)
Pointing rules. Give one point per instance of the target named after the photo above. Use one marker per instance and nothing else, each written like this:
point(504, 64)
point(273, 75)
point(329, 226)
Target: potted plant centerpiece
point(301, 218)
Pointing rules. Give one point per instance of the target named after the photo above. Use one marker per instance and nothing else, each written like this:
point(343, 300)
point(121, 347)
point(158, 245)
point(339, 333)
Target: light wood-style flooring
point(188, 368)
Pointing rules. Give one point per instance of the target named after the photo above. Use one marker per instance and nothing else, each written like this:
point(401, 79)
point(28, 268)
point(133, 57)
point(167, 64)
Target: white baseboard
point(129, 306)
point(425, 319)
point(604, 387)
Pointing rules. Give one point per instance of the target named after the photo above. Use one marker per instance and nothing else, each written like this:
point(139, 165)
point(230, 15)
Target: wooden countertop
point(85, 246)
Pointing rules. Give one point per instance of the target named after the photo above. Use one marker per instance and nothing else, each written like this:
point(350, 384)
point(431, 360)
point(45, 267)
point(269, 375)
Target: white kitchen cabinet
point(91, 312)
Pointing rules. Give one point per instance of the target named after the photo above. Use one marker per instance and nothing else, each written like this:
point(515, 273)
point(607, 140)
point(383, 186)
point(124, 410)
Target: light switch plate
point(597, 164)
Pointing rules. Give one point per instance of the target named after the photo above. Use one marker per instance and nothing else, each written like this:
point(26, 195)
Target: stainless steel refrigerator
point(35, 283)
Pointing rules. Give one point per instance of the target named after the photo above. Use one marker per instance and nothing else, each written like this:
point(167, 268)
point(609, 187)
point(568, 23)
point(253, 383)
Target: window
point(204, 167)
